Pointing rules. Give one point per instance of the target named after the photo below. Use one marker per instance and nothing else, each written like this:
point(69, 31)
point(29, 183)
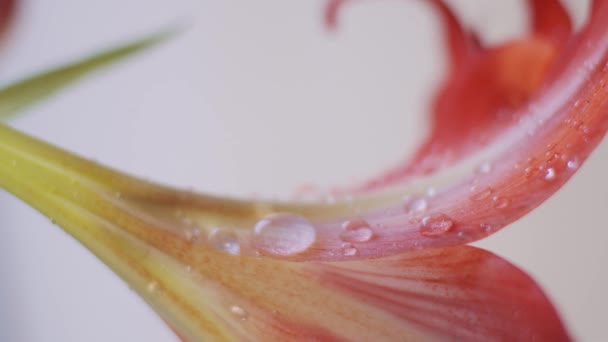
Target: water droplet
point(224, 241)
point(485, 168)
point(193, 234)
point(577, 103)
point(349, 250)
point(418, 205)
point(152, 286)
point(284, 234)
point(436, 224)
point(501, 202)
point(356, 231)
point(238, 312)
point(431, 192)
point(486, 227)
point(480, 194)
point(550, 174)
point(573, 164)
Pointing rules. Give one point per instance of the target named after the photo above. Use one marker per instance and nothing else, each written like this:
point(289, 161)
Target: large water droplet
point(348, 249)
point(238, 312)
point(224, 241)
point(356, 231)
point(284, 234)
point(436, 224)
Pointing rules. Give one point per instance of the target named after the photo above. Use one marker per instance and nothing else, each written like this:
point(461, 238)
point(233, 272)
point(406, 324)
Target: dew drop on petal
point(485, 168)
point(436, 224)
point(356, 231)
point(284, 234)
point(193, 234)
point(480, 194)
point(501, 202)
point(550, 174)
point(573, 164)
point(416, 205)
point(224, 241)
point(152, 286)
point(238, 312)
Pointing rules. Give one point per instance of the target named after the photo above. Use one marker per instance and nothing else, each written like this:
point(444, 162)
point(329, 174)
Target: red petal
point(7, 11)
point(485, 89)
point(550, 20)
point(555, 131)
point(460, 293)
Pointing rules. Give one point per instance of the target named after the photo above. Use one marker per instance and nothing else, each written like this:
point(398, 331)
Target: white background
point(255, 97)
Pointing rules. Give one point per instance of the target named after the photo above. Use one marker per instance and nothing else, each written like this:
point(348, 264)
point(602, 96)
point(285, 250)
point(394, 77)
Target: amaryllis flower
point(386, 260)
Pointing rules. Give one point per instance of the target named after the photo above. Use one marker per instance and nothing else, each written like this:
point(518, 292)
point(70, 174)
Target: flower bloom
point(374, 266)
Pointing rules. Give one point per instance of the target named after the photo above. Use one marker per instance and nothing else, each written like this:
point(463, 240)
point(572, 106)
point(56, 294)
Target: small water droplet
point(480, 194)
point(349, 250)
point(224, 241)
point(416, 205)
point(193, 234)
point(431, 192)
point(486, 227)
point(485, 168)
point(550, 174)
point(152, 286)
point(577, 103)
point(356, 231)
point(501, 202)
point(238, 312)
point(573, 164)
point(436, 224)
point(284, 234)
point(188, 268)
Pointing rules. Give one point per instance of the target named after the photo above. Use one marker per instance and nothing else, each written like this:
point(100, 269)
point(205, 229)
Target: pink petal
point(460, 293)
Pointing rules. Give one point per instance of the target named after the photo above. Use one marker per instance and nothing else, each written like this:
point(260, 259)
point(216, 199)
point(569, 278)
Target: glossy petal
point(556, 132)
point(205, 293)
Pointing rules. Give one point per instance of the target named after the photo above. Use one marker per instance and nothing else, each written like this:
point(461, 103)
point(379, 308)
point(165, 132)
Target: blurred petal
point(550, 20)
point(7, 13)
point(485, 89)
point(18, 96)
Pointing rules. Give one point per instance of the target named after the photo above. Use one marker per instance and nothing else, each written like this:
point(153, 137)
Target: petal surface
point(556, 131)
point(206, 293)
